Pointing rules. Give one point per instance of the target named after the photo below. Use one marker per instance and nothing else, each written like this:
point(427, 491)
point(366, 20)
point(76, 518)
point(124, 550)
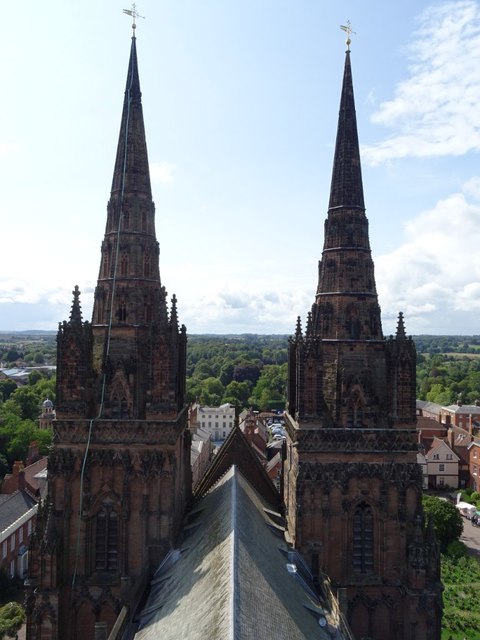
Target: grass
point(461, 614)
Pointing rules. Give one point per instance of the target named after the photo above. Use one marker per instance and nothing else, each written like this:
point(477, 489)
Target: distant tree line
point(245, 370)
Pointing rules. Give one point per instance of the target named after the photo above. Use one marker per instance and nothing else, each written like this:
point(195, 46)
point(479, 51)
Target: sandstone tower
point(352, 486)
point(119, 473)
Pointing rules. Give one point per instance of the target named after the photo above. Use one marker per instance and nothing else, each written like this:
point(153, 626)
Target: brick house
point(18, 510)
point(474, 464)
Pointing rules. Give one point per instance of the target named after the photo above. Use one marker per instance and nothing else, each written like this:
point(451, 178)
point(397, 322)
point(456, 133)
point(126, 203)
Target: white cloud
point(163, 172)
point(244, 311)
point(435, 111)
point(434, 278)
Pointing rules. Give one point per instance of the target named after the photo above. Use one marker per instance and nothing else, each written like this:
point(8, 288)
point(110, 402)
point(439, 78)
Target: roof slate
point(13, 506)
point(230, 577)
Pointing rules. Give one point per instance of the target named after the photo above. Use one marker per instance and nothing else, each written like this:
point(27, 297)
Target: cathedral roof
point(234, 576)
point(346, 188)
point(236, 450)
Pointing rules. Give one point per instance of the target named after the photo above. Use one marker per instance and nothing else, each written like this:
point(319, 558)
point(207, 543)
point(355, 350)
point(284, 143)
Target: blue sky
point(240, 105)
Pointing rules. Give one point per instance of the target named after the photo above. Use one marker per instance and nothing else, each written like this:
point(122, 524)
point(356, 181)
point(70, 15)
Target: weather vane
point(348, 30)
point(134, 15)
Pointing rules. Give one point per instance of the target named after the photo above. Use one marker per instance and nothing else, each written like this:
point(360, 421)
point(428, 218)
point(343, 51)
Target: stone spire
point(131, 171)
point(129, 289)
point(76, 311)
point(130, 315)
point(347, 189)
point(346, 300)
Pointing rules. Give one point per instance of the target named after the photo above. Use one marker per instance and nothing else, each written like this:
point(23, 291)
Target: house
point(217, 421)
point(17, 516)
point(474, 464)
point(461, 415)
point(442, 465)
point(421, 460)
point(20, 493)
point(201, 453)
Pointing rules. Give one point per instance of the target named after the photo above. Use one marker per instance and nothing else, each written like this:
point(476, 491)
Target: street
point(471, 537)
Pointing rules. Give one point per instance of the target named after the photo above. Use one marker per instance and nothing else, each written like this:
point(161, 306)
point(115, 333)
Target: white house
point(218, 421)
point(442, 465)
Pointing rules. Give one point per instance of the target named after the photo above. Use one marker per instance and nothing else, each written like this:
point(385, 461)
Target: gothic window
point(119, 407)
point(122, 312)
point(106, 539)
point(106, 263)
point(355, 411)
point(146, 266)
point(126, 220)
point(123, 264)
point(362, 539)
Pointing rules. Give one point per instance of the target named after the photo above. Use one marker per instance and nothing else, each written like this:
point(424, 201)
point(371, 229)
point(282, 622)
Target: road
point(471, 537)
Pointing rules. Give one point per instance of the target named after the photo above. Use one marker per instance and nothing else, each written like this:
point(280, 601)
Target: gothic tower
point(352, 485)
point(119, 473)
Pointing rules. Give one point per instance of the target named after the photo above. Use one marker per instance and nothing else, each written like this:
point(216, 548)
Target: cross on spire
point(348, 30)
point(133, 13)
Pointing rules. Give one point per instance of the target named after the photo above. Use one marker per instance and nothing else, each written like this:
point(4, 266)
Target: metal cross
point(348, 30)
point(133, 13)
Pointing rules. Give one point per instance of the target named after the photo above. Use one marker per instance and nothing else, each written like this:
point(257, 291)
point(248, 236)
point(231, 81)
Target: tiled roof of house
point(13, 506)
point(472, 409)
point(233, 577)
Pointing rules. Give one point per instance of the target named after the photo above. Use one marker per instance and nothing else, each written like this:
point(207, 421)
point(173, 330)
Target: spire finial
point(134, 15)
point(348, 30)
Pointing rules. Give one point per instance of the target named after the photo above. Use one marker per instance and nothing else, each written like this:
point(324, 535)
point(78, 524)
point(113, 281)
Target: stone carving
point(401, 475)
point(358, 440)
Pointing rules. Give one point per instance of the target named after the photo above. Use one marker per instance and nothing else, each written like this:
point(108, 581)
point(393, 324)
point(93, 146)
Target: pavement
point(471, 537)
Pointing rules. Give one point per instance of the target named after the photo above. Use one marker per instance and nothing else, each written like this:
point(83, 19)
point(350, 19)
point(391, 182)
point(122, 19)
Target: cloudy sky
point(240, 103)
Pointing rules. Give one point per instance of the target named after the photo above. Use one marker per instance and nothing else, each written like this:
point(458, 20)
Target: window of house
point(12, 542)
point(12, 569)
point(20, 535)
point(441, 482)
point(436, 456)
point(29, 527)
point(441, 467)
point(4, 549)
point(474, 453)
point(475, 470)
point(449, 456)
point(106, 539)
point(362, 539)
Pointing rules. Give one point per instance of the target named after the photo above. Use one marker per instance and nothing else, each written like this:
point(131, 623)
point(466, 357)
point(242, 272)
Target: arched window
point(146, 265)
point(362, 539)
point(355, 410)
point(106, 539)
point(123, 264)
point(122, 311)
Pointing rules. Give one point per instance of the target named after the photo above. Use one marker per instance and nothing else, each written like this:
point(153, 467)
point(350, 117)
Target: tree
point(269, 392)
point(12, 616)
point(237, 393)
point(445, 519)
point(7, 387)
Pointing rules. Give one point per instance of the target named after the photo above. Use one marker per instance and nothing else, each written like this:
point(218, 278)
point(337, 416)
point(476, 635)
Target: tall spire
point(129, 286)
point(131, 171)
point(347, 189)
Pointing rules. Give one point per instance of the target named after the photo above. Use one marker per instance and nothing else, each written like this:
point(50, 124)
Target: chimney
point(15, 480)
point(33, 453)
